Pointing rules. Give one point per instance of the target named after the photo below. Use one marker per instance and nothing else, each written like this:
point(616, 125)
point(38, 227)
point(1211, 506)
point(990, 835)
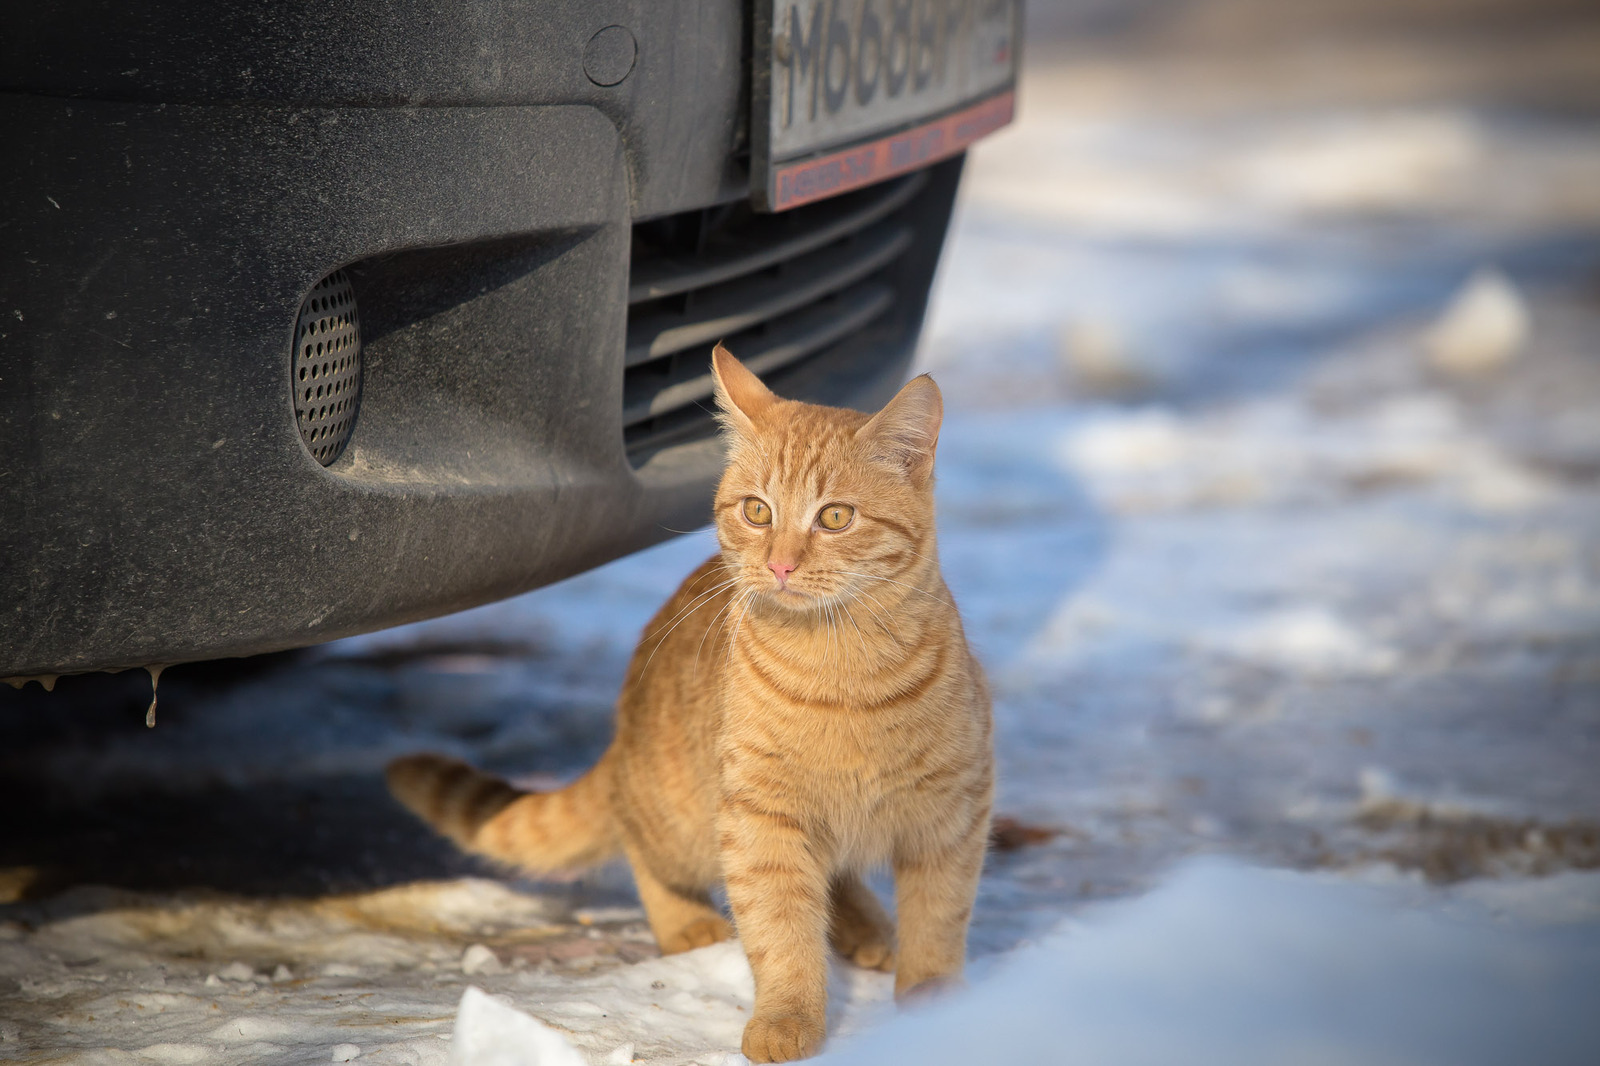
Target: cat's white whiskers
point(690, 606)
point(744, 598)
point(832, 629)
point(685, 617)
point(822, 628)
point(709, 625)
point(888, 630)
point(925, 558)
point(892, 581)
point(689, 609)
point(892, 633)
point(860, 636)
point(733, 640)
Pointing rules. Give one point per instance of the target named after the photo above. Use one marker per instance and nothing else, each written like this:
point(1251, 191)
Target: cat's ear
point(906, 432)
point(740, 394)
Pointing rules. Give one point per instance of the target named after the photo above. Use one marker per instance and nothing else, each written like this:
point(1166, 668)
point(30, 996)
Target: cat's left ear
point(906, 432)
point(741, 395)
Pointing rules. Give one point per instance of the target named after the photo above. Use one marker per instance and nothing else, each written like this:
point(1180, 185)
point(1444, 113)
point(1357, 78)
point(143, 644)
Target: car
point(322, 318)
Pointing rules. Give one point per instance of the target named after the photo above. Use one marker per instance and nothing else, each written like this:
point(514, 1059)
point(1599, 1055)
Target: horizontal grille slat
point(738, 305)
point(808, 299)
point(788, 341)
point(768, 240)
point(666, 434)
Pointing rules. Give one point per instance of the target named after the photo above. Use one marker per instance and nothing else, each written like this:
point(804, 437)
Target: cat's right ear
point(740, 394)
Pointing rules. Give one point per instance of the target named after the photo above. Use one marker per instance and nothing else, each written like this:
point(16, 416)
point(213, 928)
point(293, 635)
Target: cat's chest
point(848, 759)
point(840, 669)
point(848, 752)
point(859, 785)
point(849, 732)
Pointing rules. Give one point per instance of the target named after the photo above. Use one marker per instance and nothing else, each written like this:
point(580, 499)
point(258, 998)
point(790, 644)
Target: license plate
point(851, 92)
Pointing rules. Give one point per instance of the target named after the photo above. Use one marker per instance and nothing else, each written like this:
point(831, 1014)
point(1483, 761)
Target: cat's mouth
point(790, 595)
point(798, 600)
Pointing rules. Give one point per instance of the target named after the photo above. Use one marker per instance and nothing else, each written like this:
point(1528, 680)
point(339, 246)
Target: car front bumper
point(496, 209)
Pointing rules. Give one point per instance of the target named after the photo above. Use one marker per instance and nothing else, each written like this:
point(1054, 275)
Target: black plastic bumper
point(175, 182)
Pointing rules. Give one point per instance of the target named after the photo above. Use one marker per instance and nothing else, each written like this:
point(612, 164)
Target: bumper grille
point(783, 291)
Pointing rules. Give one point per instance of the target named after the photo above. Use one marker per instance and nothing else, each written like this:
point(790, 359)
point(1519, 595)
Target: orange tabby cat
point(804, 708)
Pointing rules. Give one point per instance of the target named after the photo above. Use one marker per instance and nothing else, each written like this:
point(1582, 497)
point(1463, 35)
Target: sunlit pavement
point(1263, 560)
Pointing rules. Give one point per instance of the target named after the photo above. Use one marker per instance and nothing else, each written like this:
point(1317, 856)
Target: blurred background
point(1269, 487)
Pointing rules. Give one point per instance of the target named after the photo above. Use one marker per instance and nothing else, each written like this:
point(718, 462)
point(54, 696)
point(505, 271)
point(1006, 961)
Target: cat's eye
point(836, 516)
point(756, 512)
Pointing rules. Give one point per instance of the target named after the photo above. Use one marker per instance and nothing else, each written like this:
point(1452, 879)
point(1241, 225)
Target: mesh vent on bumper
point(781, 290)
point(326, 370)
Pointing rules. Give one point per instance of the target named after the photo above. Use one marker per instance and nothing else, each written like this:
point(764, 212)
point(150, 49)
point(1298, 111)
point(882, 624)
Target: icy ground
point(1258, 567)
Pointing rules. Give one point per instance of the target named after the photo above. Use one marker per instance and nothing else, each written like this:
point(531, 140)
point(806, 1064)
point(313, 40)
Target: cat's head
point(822, 505)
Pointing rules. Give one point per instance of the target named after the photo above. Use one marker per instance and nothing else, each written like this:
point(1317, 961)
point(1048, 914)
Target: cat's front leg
point(934, 891)
point(778, 889)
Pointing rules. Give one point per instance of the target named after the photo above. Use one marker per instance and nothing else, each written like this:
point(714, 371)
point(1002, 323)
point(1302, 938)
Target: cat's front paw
point(782, 1037)
point(697, 934)
point(912, 992)
point(875, 955)
point(861, 932)
point(867, 946)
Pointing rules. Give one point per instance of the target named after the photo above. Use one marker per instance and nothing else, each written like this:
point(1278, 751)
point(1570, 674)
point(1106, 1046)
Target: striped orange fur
point(804, 708)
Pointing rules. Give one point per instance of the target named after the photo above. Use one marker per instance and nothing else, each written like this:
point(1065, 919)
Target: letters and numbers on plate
point(832, 75)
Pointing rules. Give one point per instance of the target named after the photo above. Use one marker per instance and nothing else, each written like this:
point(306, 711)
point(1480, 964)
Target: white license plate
point(850, 92)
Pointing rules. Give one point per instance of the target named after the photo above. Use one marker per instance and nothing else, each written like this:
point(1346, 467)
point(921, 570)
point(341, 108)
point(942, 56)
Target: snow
point(479, 959)
point(395, 999)
point(1252, 576)
point(1233, 965)
point(1482, 328)
point(1230, 965)
point(490, 1032)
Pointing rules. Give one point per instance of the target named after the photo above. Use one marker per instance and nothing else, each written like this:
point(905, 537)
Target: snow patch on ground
point(1245, 966)
point(381, 972)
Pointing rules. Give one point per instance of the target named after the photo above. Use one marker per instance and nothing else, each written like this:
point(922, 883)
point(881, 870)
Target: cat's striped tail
point(543, 832)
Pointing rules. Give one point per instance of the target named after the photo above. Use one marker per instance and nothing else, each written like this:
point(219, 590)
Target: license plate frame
point(943, 75)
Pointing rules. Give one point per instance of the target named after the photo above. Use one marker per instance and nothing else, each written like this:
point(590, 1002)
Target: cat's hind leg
point(858, 926)
point(681, 920)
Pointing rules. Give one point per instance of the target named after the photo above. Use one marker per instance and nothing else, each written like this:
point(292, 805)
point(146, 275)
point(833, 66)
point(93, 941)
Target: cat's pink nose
point(781, 571)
